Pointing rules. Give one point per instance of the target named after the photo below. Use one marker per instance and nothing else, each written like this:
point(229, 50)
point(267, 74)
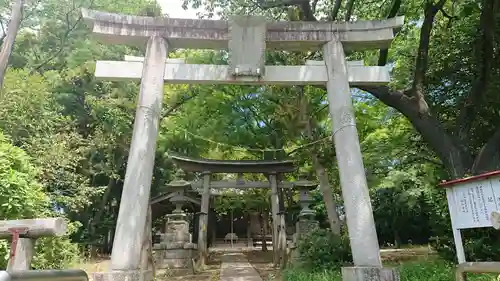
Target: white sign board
point(471, 202)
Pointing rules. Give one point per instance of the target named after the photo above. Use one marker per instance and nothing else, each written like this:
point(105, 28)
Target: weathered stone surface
point(25, 250)
point(174, 258)
point(174, 254)
point(178, 73)
point(369, 274)
point(247, 45)
point(174, 263)
point(305, 226)
point(177, 231)
point(129, 236)
point(360, 222)
point(214, 34)
point(26, 232)
point(133, 275)
point(235, 267)
point(255, 226)
point(35, 227)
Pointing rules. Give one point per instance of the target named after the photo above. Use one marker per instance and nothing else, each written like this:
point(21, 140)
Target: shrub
point(22, 196)
point(321, 249)
point(419, 270)
point(57, 252)
point(298, 274)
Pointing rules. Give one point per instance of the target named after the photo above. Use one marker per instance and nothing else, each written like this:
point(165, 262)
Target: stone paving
point(235, 267)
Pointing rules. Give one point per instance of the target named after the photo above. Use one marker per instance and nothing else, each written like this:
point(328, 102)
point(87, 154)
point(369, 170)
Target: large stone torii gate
point(246, 38)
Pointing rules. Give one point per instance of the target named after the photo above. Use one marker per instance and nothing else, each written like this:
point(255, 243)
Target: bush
point(321, 249)
point(56, 252)
point(298, 274)
point(22, 196)
point(421, 270)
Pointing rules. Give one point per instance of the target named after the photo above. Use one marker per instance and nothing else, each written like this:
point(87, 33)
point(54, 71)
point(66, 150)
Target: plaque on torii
point(247, 45)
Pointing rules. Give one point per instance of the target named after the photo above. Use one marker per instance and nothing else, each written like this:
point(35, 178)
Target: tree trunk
point(397, 239)
point(98, 216)
point(326, 189)
point(8, 43)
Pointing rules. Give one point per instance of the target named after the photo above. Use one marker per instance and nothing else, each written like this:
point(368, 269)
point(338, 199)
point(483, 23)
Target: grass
point(429, 269)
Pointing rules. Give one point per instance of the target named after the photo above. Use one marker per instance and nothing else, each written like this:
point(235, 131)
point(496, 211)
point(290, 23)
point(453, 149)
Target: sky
point(174, 9)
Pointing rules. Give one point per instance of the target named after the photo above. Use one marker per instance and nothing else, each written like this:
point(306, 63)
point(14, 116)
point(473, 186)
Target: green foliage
point(21, 195)
point(422, 270)
point(321, 249)
point(57, 252)
point(299, 274)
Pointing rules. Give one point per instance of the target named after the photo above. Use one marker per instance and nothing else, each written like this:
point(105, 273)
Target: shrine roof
point(233, 166)
point(469, 179)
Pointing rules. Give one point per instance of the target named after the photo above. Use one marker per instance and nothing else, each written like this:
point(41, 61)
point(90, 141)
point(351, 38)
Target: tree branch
point(304, 5)
point(383, 54)
point(488, 157)
point(314, 4)
point(445, 146)
point(335, 11)
point(349, 8)
point(484, 58)
point(278, 3)
point(423, 55)
point(63, 38)
point(8, 43)
point(179, 103)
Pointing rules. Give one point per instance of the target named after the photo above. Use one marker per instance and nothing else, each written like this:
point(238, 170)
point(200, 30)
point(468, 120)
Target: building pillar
point(129, 236)
point(274, 212)
point(358, 208)
point(203, 219)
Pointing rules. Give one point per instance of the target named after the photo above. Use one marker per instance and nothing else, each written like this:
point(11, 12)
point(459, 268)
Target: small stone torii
point(272, 169)
point(246, 38)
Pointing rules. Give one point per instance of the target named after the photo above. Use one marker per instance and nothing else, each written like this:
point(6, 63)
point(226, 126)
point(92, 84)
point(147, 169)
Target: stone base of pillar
point(132, 275)
point(370, 274)
point(294, 255)
point(174, 256)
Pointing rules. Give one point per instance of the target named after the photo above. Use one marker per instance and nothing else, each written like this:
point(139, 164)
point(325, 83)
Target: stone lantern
point(306, 221)
point(305, 186)
point(175, 250)
point(178, 187)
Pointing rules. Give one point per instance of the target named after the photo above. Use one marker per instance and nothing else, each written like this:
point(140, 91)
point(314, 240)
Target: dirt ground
point(261, 261)
point(210, 273)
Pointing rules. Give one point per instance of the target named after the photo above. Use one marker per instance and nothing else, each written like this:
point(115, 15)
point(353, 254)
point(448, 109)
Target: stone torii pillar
point(24, 234)
point(359, 213)
point(130, 226)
